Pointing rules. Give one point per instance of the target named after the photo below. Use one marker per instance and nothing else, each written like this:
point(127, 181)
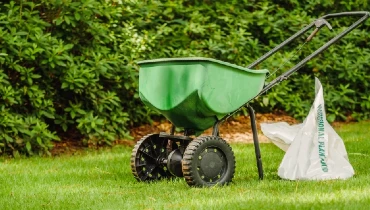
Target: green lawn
point(103, 180)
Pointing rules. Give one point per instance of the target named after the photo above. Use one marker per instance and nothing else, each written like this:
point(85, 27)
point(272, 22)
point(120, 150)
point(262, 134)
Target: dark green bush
point(62, 69)
point(68, 67)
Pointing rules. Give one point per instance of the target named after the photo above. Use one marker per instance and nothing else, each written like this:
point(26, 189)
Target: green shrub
point(62, 69)
point(68, 67)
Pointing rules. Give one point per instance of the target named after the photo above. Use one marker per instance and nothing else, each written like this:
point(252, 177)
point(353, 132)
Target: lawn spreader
point(197, 93)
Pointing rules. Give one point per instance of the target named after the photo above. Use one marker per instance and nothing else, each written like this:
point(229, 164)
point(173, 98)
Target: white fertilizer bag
point(314, 151)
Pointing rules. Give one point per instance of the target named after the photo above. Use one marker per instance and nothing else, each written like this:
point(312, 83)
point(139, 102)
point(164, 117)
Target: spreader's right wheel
point(208, 161)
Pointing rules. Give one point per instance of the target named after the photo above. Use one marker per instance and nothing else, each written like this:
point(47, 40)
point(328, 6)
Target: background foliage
point(67, 67)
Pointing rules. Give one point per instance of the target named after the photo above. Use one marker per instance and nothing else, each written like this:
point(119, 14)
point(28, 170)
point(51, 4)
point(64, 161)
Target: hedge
point(68, 68)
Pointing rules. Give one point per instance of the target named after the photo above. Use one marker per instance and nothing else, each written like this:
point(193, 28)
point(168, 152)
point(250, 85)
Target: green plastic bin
point(193, 93)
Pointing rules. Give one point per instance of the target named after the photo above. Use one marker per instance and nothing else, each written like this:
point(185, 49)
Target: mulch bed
point(235, 129)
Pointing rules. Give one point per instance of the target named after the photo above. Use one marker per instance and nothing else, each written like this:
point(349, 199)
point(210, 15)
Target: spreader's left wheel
point(149, 157)
point(208, 161)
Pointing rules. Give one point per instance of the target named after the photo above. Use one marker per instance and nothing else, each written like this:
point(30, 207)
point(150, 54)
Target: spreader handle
point(365, 15)
point(286, 74)
point(343, 14)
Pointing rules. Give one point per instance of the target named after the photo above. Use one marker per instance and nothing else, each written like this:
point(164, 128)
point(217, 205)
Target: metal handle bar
point(343, 14)
point(305, 29)
point(365, 15)
point(285, 75)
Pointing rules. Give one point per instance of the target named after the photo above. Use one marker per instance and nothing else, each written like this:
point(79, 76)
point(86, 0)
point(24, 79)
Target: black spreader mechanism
point(204, 161)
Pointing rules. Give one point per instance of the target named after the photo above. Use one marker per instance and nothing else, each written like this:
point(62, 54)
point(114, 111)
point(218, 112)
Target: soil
point(235, 129)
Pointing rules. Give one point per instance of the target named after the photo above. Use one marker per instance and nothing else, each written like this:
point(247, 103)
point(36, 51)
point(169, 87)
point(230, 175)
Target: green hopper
point(194, 93)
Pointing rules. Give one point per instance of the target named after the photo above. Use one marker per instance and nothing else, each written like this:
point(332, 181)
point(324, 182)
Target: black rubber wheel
point(208, 161)
point(147, 158)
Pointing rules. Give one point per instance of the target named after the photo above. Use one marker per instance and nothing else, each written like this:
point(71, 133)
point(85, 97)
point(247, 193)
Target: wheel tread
point(189, 154)
point(134, 156)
